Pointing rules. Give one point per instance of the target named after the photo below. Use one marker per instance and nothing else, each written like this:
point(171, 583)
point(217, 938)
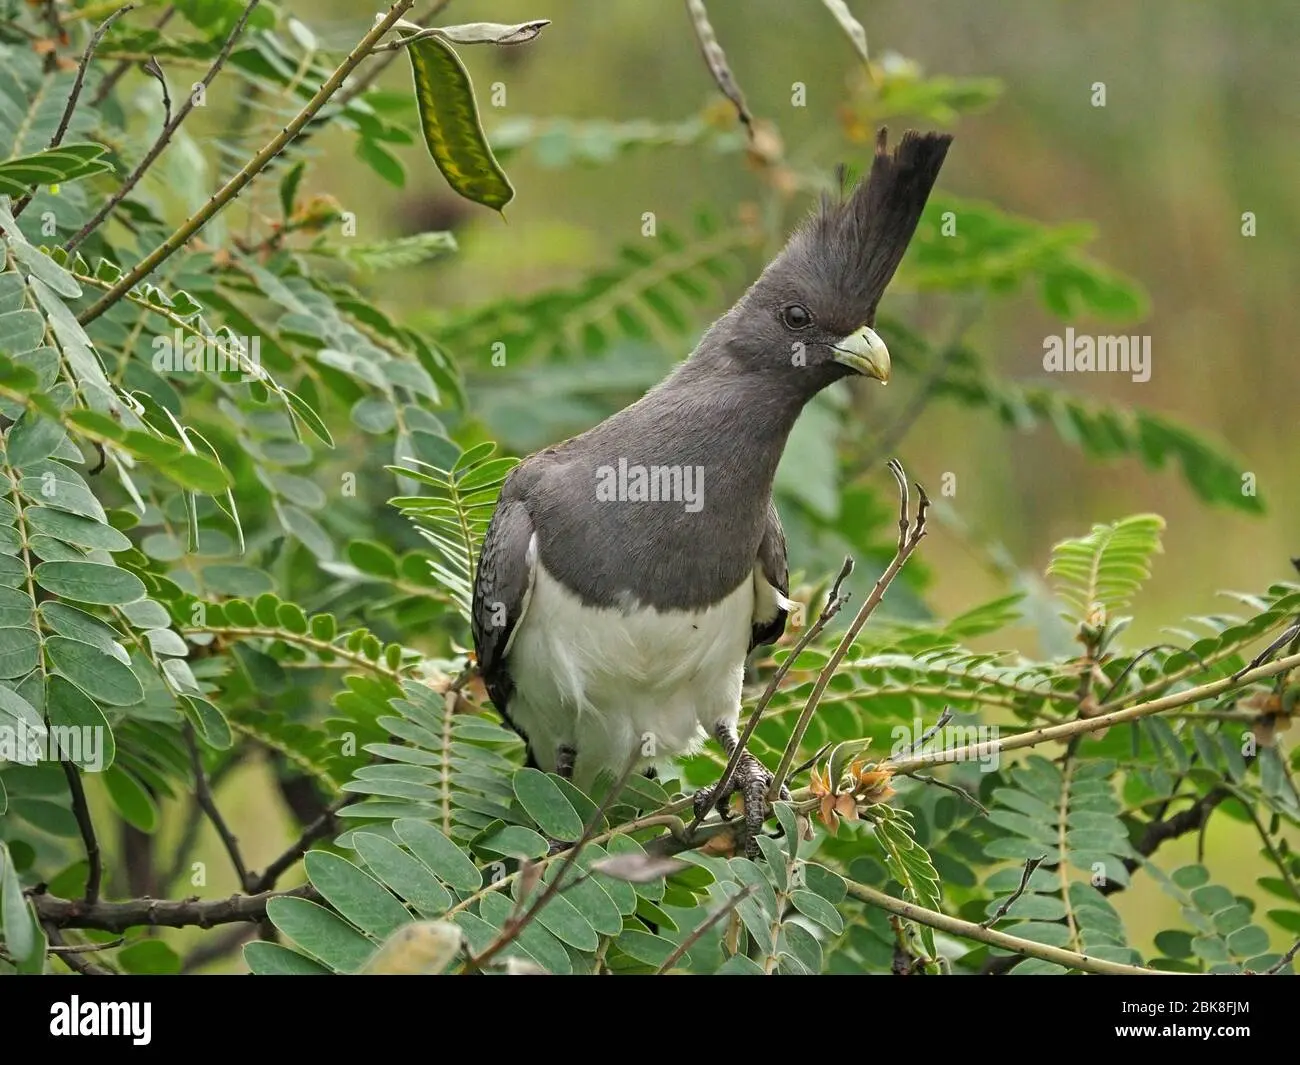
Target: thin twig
point(164, 138)
point(81, 811)
point(1143, 654)
point(203, 795)
point(713, 918)
point(318, 829)
point(71, 955)
point(75, 94)
point(115, 75)
point(954, 788)
point(1293, 633)
point(835, 599)
point(969, 930)
point(933, 730)
point(909, 536)
point(250, 170)
point(1030, 865)
point(1079, 726)
point(1285, 960)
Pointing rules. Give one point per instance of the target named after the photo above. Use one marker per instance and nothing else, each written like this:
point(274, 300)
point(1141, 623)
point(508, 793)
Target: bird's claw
point(752, 780)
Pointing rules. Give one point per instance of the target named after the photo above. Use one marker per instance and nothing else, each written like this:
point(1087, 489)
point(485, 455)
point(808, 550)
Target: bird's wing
point(770, 608)
point(501, 590)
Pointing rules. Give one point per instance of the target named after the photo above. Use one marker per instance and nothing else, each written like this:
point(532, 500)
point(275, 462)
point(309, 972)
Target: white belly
point(607, 682)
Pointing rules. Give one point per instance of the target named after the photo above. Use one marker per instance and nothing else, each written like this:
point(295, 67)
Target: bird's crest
point(854, 244)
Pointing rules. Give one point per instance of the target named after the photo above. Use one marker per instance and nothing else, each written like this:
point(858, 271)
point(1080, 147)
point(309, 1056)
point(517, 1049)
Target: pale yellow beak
point(864, 352)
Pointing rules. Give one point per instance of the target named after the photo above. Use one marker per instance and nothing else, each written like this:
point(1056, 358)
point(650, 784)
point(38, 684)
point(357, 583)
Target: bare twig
point(1284, 961)
point(75, 93)
point(1143, 654)
point(81, 811)
point(1030, 865)
point(835, 599)
point(1293, 633)
point(164, 138)
point(71, 954)
point(250, 170)
point(713, 918)
point(954, 788)
point(203, 795)
point(933, 730)
point(909, 536)
point(969, 930)
point(115, 75)
point(375, 69)
point(1079, 726)
point(318, 829)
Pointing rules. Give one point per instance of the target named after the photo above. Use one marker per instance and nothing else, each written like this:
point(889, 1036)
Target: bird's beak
point(864, 352)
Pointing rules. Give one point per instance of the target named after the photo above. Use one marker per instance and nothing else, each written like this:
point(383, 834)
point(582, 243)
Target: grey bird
point(628, 572)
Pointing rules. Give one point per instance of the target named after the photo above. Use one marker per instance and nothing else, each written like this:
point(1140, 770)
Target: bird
point(628, 573)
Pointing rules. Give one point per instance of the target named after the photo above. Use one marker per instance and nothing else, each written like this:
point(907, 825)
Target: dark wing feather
point(776, 571)
point(501, 587)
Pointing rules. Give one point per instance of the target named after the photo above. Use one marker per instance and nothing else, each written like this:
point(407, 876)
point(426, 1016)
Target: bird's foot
point(752, 780)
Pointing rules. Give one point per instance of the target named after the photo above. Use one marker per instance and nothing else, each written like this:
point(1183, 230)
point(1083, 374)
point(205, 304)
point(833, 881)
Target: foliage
point(241, 508)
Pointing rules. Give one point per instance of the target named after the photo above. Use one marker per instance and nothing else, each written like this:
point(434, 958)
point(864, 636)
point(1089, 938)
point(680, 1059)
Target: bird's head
point(809, 316)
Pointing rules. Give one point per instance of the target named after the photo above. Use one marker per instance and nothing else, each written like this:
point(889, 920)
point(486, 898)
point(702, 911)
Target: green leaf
point(408, 877)
point(208, 721)
point(321, 933)
point(130, 799)
point(546, 805)
point(18, 922)
point(98, 674)
point(271, 959)
point(69, 707)
point(150, 956)
point(32, 437)
point(357, 895)
point(439, 853)
point(75, 529)
point(89, 582)
point(450, 123)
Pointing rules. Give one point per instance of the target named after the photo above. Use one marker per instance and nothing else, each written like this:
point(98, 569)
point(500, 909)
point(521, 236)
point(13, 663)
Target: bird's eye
point(796, 316)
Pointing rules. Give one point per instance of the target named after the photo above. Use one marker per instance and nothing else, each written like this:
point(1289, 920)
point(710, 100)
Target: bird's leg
point(565, 757)
point(751, 779)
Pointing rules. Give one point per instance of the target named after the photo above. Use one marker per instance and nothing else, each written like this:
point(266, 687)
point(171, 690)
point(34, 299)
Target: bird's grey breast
point(651, 519)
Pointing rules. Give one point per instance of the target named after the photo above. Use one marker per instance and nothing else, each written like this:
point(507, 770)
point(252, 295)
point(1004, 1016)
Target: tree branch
point(203, 796)
point(318, 829)
point(250, 170)
point(159, 913)
point(75, 93)
point(1065, 731)
point(81, 811)
point(968, 930)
